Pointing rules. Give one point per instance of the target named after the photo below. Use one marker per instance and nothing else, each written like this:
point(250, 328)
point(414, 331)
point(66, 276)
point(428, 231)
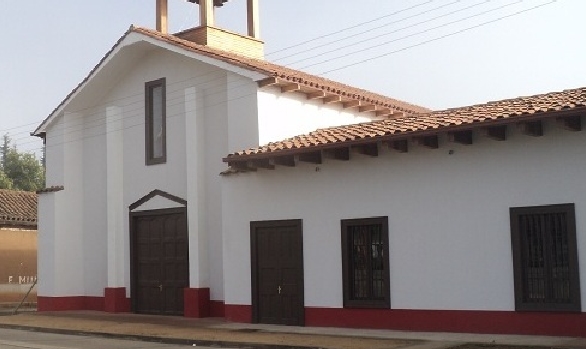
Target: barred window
point(545, 258)
point(365, 258)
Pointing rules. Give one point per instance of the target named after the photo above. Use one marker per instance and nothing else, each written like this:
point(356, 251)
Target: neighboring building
point(388, 216)
point(18, 244)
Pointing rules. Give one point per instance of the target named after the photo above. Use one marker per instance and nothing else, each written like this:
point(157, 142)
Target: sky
point(434, 53)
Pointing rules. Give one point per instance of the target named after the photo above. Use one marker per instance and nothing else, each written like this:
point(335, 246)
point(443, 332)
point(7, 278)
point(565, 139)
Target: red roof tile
point(475, 115)
point(18, 208)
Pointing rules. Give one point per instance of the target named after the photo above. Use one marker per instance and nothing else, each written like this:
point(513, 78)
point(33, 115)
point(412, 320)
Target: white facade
point(96, 149)
point(447, 208)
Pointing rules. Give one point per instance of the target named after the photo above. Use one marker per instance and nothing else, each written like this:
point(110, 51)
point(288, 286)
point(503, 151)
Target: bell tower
point(208, 34)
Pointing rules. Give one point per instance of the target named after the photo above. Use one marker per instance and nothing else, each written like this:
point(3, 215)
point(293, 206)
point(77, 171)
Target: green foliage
point(5, 182)
point(20, 170)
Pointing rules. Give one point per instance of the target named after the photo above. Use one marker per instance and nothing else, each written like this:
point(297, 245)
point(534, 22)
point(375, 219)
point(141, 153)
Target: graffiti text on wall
point(21, 279)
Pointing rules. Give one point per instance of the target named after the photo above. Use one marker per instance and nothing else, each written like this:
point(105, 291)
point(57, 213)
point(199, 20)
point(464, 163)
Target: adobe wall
point(18, 264)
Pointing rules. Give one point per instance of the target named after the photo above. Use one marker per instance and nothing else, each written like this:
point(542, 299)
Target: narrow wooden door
point(277, 272)
point(160, 261)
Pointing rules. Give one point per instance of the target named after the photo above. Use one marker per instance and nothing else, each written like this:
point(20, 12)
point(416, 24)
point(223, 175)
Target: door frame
point(133, 241)
point(298, 225)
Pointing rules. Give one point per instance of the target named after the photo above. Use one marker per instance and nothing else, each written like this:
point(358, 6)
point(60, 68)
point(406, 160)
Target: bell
point(217, 3)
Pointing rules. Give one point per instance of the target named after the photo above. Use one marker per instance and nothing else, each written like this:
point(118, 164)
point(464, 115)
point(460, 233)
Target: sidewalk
point(217, 332)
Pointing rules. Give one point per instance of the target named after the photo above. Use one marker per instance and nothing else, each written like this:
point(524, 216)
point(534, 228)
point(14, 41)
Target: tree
point(20, 170)
point(5, 182)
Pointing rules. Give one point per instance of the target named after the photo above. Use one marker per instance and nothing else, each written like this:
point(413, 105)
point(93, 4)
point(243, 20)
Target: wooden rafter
point(498, 133)
point(534, 128)
point(370, 149)
point(286, 160)
point(332, 99)
point(430, 141)
point(402, 146)
point(267, 82)
point(342, 153)
point(462, 137)
point(316, 95)
point(573, 123)
point(268, 163)
point(351, 104)
point(292, 87)
point(367, 108)
point(383, 112)
point(315, 157)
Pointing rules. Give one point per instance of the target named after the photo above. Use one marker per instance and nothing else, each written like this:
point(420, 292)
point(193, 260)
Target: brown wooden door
point(160, 261)
point(277, 272)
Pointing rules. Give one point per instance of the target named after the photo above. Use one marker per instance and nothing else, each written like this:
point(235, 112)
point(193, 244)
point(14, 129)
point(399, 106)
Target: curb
point(154, 339)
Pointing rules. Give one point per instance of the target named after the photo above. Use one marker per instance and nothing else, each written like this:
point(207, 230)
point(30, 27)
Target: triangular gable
point(157, 199)
point(136, 35)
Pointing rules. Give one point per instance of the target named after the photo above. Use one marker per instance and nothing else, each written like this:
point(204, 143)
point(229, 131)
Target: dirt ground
point(200, 330)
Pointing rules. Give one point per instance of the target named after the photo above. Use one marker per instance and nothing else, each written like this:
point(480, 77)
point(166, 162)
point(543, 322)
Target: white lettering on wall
point(22, 279)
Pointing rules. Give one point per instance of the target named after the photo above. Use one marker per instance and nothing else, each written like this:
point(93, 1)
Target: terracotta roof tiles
point(17, 208)
point(508, 109)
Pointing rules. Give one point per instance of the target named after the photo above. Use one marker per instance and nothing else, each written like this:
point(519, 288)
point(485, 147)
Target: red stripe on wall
point(503, 322)
point(217, 309)
point(70, 303)
point(238, 313)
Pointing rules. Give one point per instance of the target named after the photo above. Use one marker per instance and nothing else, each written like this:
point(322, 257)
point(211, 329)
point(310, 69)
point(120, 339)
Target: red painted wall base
point(196, 302)
point(238, 313)
point(70, 303)
point(503, 322)
point(217, 309)
point(115, 300)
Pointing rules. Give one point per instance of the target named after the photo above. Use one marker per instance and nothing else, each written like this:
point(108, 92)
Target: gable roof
point(521, 109)
point(274, 74)
point(18, 208)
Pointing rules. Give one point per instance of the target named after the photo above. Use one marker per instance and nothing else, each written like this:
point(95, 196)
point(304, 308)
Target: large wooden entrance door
point(160, 263)
point(277, 272)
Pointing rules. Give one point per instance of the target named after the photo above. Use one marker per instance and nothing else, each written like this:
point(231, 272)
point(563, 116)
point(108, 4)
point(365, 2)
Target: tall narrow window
point(155, 122)
point(545, 258)
point(365, 258)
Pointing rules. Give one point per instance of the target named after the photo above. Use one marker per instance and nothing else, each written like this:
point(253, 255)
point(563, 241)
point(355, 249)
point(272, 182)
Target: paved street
point(19, 339)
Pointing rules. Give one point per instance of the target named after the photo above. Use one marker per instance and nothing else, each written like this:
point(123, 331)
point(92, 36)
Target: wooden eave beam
point(332, 99)
point(351, 104)
point(430, 141)
point(401, 145)
point(397, 114)
point(242, 166)
point(370, 149)
point(268, 164)
point(315, 157)
point(286, 160)
point(534, 128)
point(383, 112)
point(342, 153)
point(316, 95)
point(267, 82)
point(498, 133)
point(573, 122)
point(462, 137)
point(367, 108)
point(292, 87)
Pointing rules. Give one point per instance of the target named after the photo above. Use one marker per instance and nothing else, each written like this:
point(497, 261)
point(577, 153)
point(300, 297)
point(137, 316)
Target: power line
point(356, 63)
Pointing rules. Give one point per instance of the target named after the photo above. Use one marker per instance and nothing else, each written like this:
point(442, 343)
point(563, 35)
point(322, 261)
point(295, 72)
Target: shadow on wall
point(18, 264)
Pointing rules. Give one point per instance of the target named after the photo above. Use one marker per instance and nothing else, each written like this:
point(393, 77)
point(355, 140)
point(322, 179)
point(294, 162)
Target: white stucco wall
point(448, 215)
point(284, 115)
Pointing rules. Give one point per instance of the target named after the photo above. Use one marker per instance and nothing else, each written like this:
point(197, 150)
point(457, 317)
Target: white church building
point(186, 175)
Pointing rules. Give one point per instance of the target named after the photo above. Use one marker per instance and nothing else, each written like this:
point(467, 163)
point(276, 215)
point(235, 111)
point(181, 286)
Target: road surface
point(19, 339)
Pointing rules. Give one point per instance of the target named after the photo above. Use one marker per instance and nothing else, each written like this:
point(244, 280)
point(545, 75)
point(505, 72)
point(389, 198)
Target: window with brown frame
point(545, 258)
point(365, 258)
point(155, 122)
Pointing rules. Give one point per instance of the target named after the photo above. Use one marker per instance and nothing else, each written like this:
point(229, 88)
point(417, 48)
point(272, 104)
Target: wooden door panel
point(277, 260)
point(161, 265)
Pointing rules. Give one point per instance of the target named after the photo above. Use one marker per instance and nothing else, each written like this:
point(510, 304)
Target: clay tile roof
point(286, 74)
point(18, 208)
point(509, 110)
